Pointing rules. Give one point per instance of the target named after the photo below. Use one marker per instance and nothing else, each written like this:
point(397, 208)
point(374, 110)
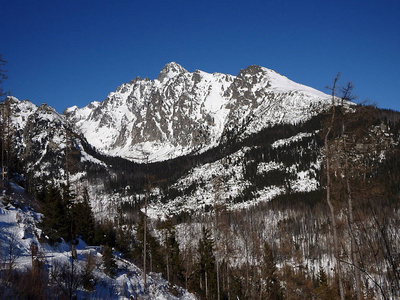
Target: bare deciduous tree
point(329, 185)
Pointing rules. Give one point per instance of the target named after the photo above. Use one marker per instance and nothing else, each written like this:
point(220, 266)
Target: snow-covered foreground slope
point(19, 234)
point(181, 112)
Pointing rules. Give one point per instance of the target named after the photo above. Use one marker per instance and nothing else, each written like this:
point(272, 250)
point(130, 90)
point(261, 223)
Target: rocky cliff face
point(42, 141)
point(181, 112)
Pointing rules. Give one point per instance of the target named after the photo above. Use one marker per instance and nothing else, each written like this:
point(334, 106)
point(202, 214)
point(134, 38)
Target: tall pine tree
point(271, 289)
point(55, 221)
point(206, 272)
point(173, 258)
point(83, 219)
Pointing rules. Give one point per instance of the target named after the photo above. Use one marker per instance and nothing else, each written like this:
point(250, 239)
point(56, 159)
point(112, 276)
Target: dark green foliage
point(271, 288)
point(105, 234)
point(183, 216)
point(110, 266)
point(297, 200)
point(154, 254)
point(172, 193)
point(122, 243)
point(56, 221)
point(247, 195)
point(322, 288)
point(274, 177)
point(322, 279)
point(206, 275)
point(83, 219)
point(236, 288)
point(63, 217)
point(174, 257)
point(124, 224)
point(388, 175)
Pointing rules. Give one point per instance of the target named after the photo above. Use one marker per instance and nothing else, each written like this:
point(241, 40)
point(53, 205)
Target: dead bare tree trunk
point(328, 191)
point(347, 95)
point(217, 199)
point(357, 274)
point(145, 240)
point(5, 138)
point(2, 144)
point(2, 77)
point(145, 154)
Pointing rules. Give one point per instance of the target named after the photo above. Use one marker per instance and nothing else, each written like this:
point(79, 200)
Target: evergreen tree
point(323, 290)
point(236, 288)
point(104, 233)
point(122, 242)
point(173, 256)
point(83, 219)
point(154, 253)
point(110, 265)
point(137, 247)
point(55, 221)
point(123, 233)
point(154, 257)
point(206, 273)
point(322, 278)
point(271, 289)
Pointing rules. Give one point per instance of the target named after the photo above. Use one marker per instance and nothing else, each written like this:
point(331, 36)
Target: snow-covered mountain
point(181, 112)
point(242, 156)
point(41, 140)
point(212, 117)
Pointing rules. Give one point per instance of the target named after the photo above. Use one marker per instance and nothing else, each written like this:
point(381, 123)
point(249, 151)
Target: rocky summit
point(182, 113)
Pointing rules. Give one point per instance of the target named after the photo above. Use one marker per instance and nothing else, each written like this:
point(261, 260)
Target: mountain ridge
point(181, 112)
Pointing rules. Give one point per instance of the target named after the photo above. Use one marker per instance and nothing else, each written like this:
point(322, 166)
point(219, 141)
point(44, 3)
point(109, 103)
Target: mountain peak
point(11, 100)
point(182, 112)
point(251, 70)
point(171, 70)
point(46, 108)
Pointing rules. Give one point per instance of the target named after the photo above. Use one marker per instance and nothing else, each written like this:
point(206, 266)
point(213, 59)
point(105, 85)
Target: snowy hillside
point(224, 182)
point(23, 251)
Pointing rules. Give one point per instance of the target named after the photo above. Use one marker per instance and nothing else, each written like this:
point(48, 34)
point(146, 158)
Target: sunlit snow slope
point(181, 112)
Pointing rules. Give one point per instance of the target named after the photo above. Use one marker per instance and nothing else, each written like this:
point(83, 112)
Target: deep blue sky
point(68, 52)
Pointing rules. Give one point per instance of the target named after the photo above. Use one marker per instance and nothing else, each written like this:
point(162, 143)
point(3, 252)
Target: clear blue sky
point(68, 52)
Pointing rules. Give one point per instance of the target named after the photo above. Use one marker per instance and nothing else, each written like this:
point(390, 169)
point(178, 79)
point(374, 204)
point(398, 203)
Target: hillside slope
point(32, 267)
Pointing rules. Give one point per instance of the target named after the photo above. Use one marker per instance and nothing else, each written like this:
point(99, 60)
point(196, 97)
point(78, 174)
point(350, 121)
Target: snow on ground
point(265, 167)
point(89, 158)
point(295, 138)
point(19, 231)
point(304, 182)
point(221, 182)
point(214, 182)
